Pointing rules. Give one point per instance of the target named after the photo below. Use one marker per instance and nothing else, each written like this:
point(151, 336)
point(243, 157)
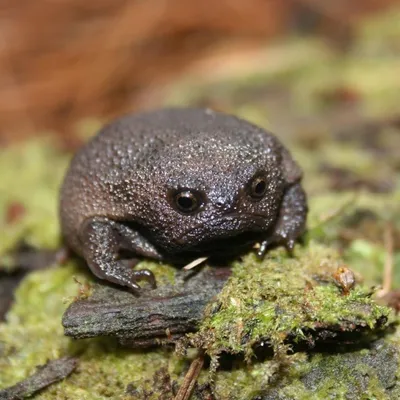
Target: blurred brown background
point(64, 60)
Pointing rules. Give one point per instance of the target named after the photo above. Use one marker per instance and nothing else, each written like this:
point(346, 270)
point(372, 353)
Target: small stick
point(53, 371)
point(195, 263)
point(389, 261)
point(190, 379)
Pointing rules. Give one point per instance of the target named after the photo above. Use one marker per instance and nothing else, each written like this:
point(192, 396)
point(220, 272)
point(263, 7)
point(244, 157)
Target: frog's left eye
point(258, 187)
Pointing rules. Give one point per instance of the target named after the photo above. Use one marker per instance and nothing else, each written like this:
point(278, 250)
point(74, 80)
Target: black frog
point(175, 184)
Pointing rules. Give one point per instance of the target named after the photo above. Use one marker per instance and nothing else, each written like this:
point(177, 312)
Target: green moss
point(357, 374)
point(356, 224)
point(280, 298)
point(30, 178)
point(33, 334)
point(299, 72)
point(105, 372)
point(378, 36)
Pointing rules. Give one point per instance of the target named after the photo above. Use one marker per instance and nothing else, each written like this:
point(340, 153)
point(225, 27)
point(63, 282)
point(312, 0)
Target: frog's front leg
point(103, 239)
point(291, 221)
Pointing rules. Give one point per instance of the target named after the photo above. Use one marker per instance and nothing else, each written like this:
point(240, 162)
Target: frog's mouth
point(219, 250)
point(227, 236)
point(230, 244)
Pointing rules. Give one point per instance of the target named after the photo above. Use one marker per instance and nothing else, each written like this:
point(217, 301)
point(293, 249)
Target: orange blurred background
point(63, 60)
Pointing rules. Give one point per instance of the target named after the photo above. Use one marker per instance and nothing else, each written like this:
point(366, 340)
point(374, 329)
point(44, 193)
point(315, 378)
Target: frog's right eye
point(258, 187)
point(187, 201)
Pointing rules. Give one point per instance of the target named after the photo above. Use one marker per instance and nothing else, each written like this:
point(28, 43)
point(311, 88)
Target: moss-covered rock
point(283, 300)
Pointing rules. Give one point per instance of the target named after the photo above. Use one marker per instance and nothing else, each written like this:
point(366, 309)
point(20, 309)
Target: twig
point(195, 263)
point(190, 379)
point(45, 375)
point(389, 261)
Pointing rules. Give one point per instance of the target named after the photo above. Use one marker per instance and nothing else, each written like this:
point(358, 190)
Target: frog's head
point(215, 192)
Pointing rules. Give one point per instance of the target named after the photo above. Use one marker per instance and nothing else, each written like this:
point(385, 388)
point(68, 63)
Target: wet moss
point(283, 299)
point(33, 334)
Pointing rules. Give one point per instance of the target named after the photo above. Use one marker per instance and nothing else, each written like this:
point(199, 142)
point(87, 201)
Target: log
point(163, 314)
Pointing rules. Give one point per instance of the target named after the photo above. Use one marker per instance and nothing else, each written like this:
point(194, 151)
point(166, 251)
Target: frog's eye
point(187, 201)
point(258, 187)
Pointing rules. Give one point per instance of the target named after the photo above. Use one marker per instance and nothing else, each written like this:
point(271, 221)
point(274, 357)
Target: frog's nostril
point(223, 205)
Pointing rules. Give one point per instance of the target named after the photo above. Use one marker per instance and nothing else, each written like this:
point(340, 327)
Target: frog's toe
point(263, 249)
point(289, 245)
point(146, 275)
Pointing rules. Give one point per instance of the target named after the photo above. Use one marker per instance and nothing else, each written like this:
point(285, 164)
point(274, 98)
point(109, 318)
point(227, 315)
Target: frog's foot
point(102, 241)
point(118, 273)
point(291, 221)
point(287, 242)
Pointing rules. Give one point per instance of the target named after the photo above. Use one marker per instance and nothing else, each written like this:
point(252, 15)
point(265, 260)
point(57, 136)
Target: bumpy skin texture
point(118, 199)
